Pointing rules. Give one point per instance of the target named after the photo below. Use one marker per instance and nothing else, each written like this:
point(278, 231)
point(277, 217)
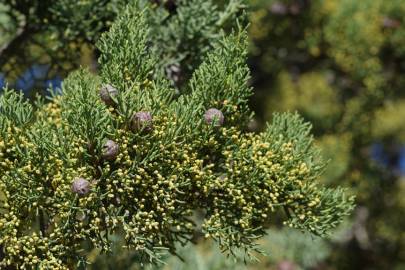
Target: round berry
point(80, 186)
point(108, 93)
point(142, 121)
point(214, 116)
point(110, 150)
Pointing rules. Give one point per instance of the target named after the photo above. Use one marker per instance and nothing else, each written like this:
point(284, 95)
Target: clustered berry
point(159, 194)
point(147, 195)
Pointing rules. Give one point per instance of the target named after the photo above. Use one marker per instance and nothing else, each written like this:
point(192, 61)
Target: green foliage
point(222, 80)
point(61, 34)
point(15, 109)
point(162, 175)
point(124, 57)
point(305, 250)
point(183, 39)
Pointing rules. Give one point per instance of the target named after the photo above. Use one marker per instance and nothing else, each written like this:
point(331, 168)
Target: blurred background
point(339, 63)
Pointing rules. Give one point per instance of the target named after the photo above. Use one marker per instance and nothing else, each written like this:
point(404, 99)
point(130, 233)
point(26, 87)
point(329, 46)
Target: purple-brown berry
point(108, 93)
point(214, 117)
point(142, 121)
point(80, 186)
point(110, 150)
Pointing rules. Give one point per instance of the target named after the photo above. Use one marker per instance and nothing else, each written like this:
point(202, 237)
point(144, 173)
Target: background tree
point(339, 63)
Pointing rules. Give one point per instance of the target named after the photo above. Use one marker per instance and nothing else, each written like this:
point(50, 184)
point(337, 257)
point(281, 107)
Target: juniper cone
point(80, 186)
point(142, 121)
point(110, 150)
point(107, 93)
point(214, 116)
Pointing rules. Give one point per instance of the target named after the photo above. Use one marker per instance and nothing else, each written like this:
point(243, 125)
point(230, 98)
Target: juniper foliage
point(50, 33)
point(161, 176)
point(55, 34)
